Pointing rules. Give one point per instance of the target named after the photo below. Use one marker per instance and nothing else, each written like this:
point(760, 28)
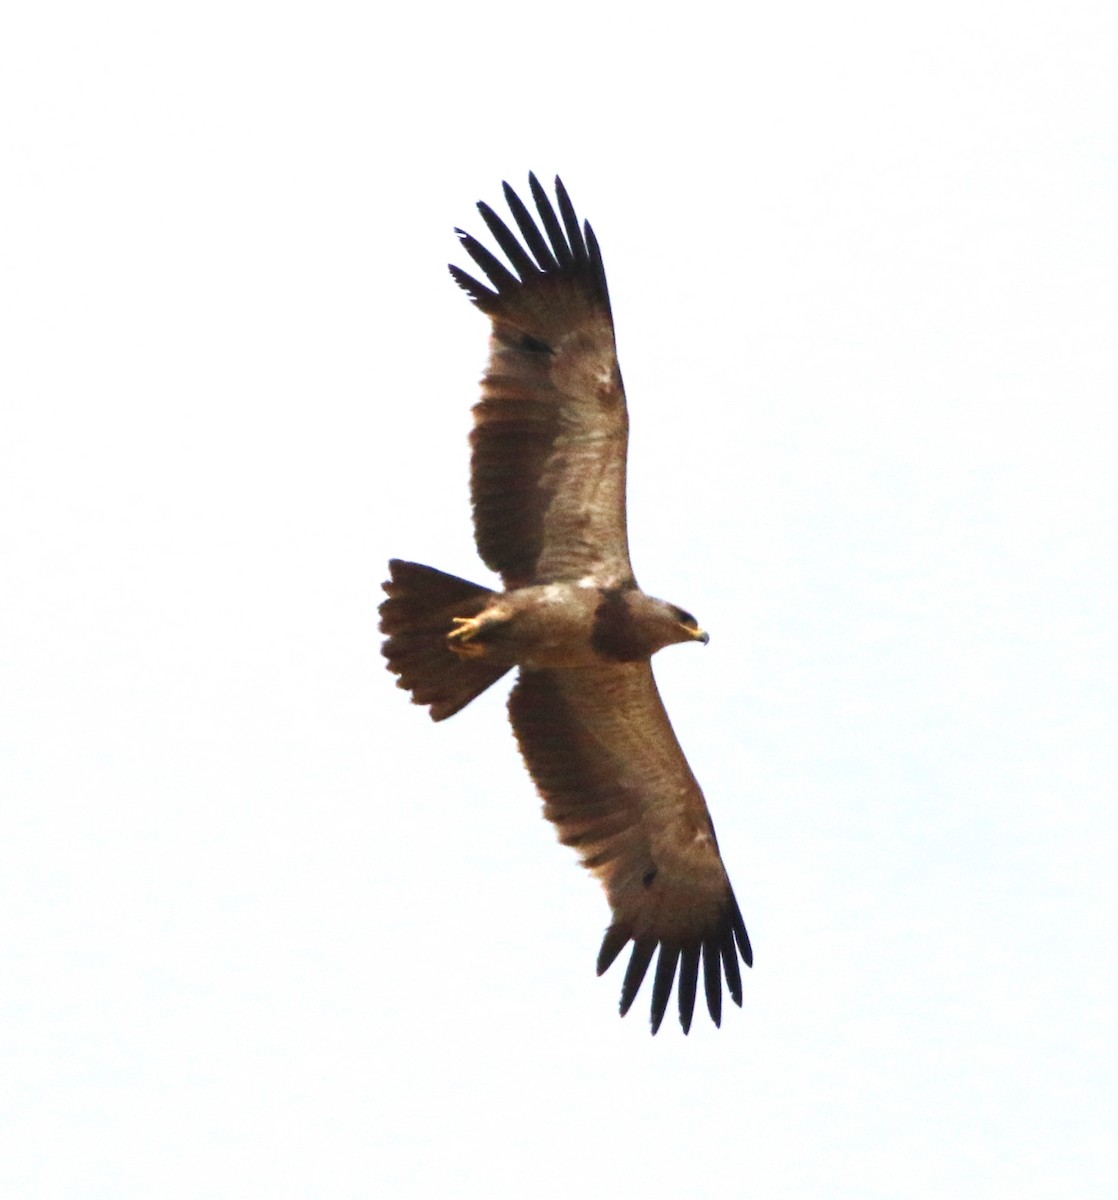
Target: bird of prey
point(548, 450)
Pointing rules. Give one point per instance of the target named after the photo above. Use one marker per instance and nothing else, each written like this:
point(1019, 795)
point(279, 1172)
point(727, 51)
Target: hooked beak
point(700, 635)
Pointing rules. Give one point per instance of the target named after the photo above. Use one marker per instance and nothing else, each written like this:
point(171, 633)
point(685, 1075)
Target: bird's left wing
point(599, 745)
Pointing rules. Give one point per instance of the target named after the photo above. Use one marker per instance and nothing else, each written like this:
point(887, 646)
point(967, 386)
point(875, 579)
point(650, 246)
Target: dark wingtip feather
point(740, 934)
point(742, 939)
point(478, 292)
point(662, 983)
point(635, 972)
point(688, 985)
point(554, 230)
point(529, 230)
point(551, 244)
point(712, 980)
point(730, 965)
point(499, 275)
point(596, 264)
point(718, 954)
point(570, 224)
point(516, 254)
point(612, 945)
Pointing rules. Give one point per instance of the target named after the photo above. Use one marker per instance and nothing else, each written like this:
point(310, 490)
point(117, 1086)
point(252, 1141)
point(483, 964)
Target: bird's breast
point(552, 625)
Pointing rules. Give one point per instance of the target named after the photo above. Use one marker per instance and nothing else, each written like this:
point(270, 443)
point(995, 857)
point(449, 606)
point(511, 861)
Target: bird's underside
point(548, 487)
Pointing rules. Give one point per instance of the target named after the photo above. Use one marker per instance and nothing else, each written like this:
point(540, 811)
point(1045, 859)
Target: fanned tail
point(416, 618)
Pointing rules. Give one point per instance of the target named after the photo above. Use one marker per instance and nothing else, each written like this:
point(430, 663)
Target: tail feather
point(416, 618)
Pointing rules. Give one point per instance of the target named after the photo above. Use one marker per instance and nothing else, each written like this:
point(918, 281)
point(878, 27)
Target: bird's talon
point(461, 639)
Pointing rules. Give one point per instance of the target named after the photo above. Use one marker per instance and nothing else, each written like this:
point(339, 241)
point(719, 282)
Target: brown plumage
point(549, 449)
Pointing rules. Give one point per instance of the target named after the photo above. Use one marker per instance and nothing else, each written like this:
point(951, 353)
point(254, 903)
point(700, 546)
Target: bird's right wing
point(551, 430)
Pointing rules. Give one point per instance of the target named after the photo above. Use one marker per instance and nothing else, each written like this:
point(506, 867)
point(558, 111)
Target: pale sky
point(265, 930)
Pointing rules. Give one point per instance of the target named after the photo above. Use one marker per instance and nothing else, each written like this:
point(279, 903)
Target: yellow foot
point(461, 639)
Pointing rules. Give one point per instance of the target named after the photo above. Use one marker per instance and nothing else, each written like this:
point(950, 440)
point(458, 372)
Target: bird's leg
point(463, 639)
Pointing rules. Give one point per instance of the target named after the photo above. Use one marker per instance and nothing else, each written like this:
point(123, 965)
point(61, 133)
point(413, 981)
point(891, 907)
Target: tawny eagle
point(548, 488)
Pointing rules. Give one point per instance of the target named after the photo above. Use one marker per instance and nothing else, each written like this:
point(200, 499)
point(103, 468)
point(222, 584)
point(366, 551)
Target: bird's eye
point(685, 617)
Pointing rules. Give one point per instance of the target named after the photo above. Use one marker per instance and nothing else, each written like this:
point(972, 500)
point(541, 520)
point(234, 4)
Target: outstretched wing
point(551, 430)
point(603, 754)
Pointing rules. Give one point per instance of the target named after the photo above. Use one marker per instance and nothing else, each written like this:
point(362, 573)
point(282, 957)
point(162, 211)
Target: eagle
point(547, 480)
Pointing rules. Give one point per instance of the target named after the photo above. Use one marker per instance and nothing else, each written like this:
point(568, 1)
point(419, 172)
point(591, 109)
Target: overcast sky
point(265, 930)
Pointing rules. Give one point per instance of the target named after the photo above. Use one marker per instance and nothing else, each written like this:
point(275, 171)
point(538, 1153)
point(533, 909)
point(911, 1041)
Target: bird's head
point(630, 625)
point(666, 624)
point(689, 629)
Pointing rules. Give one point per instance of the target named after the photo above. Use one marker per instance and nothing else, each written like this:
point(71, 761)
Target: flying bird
point(548, 458)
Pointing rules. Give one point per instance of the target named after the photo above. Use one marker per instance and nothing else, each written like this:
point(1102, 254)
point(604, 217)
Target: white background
point(267, 931)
